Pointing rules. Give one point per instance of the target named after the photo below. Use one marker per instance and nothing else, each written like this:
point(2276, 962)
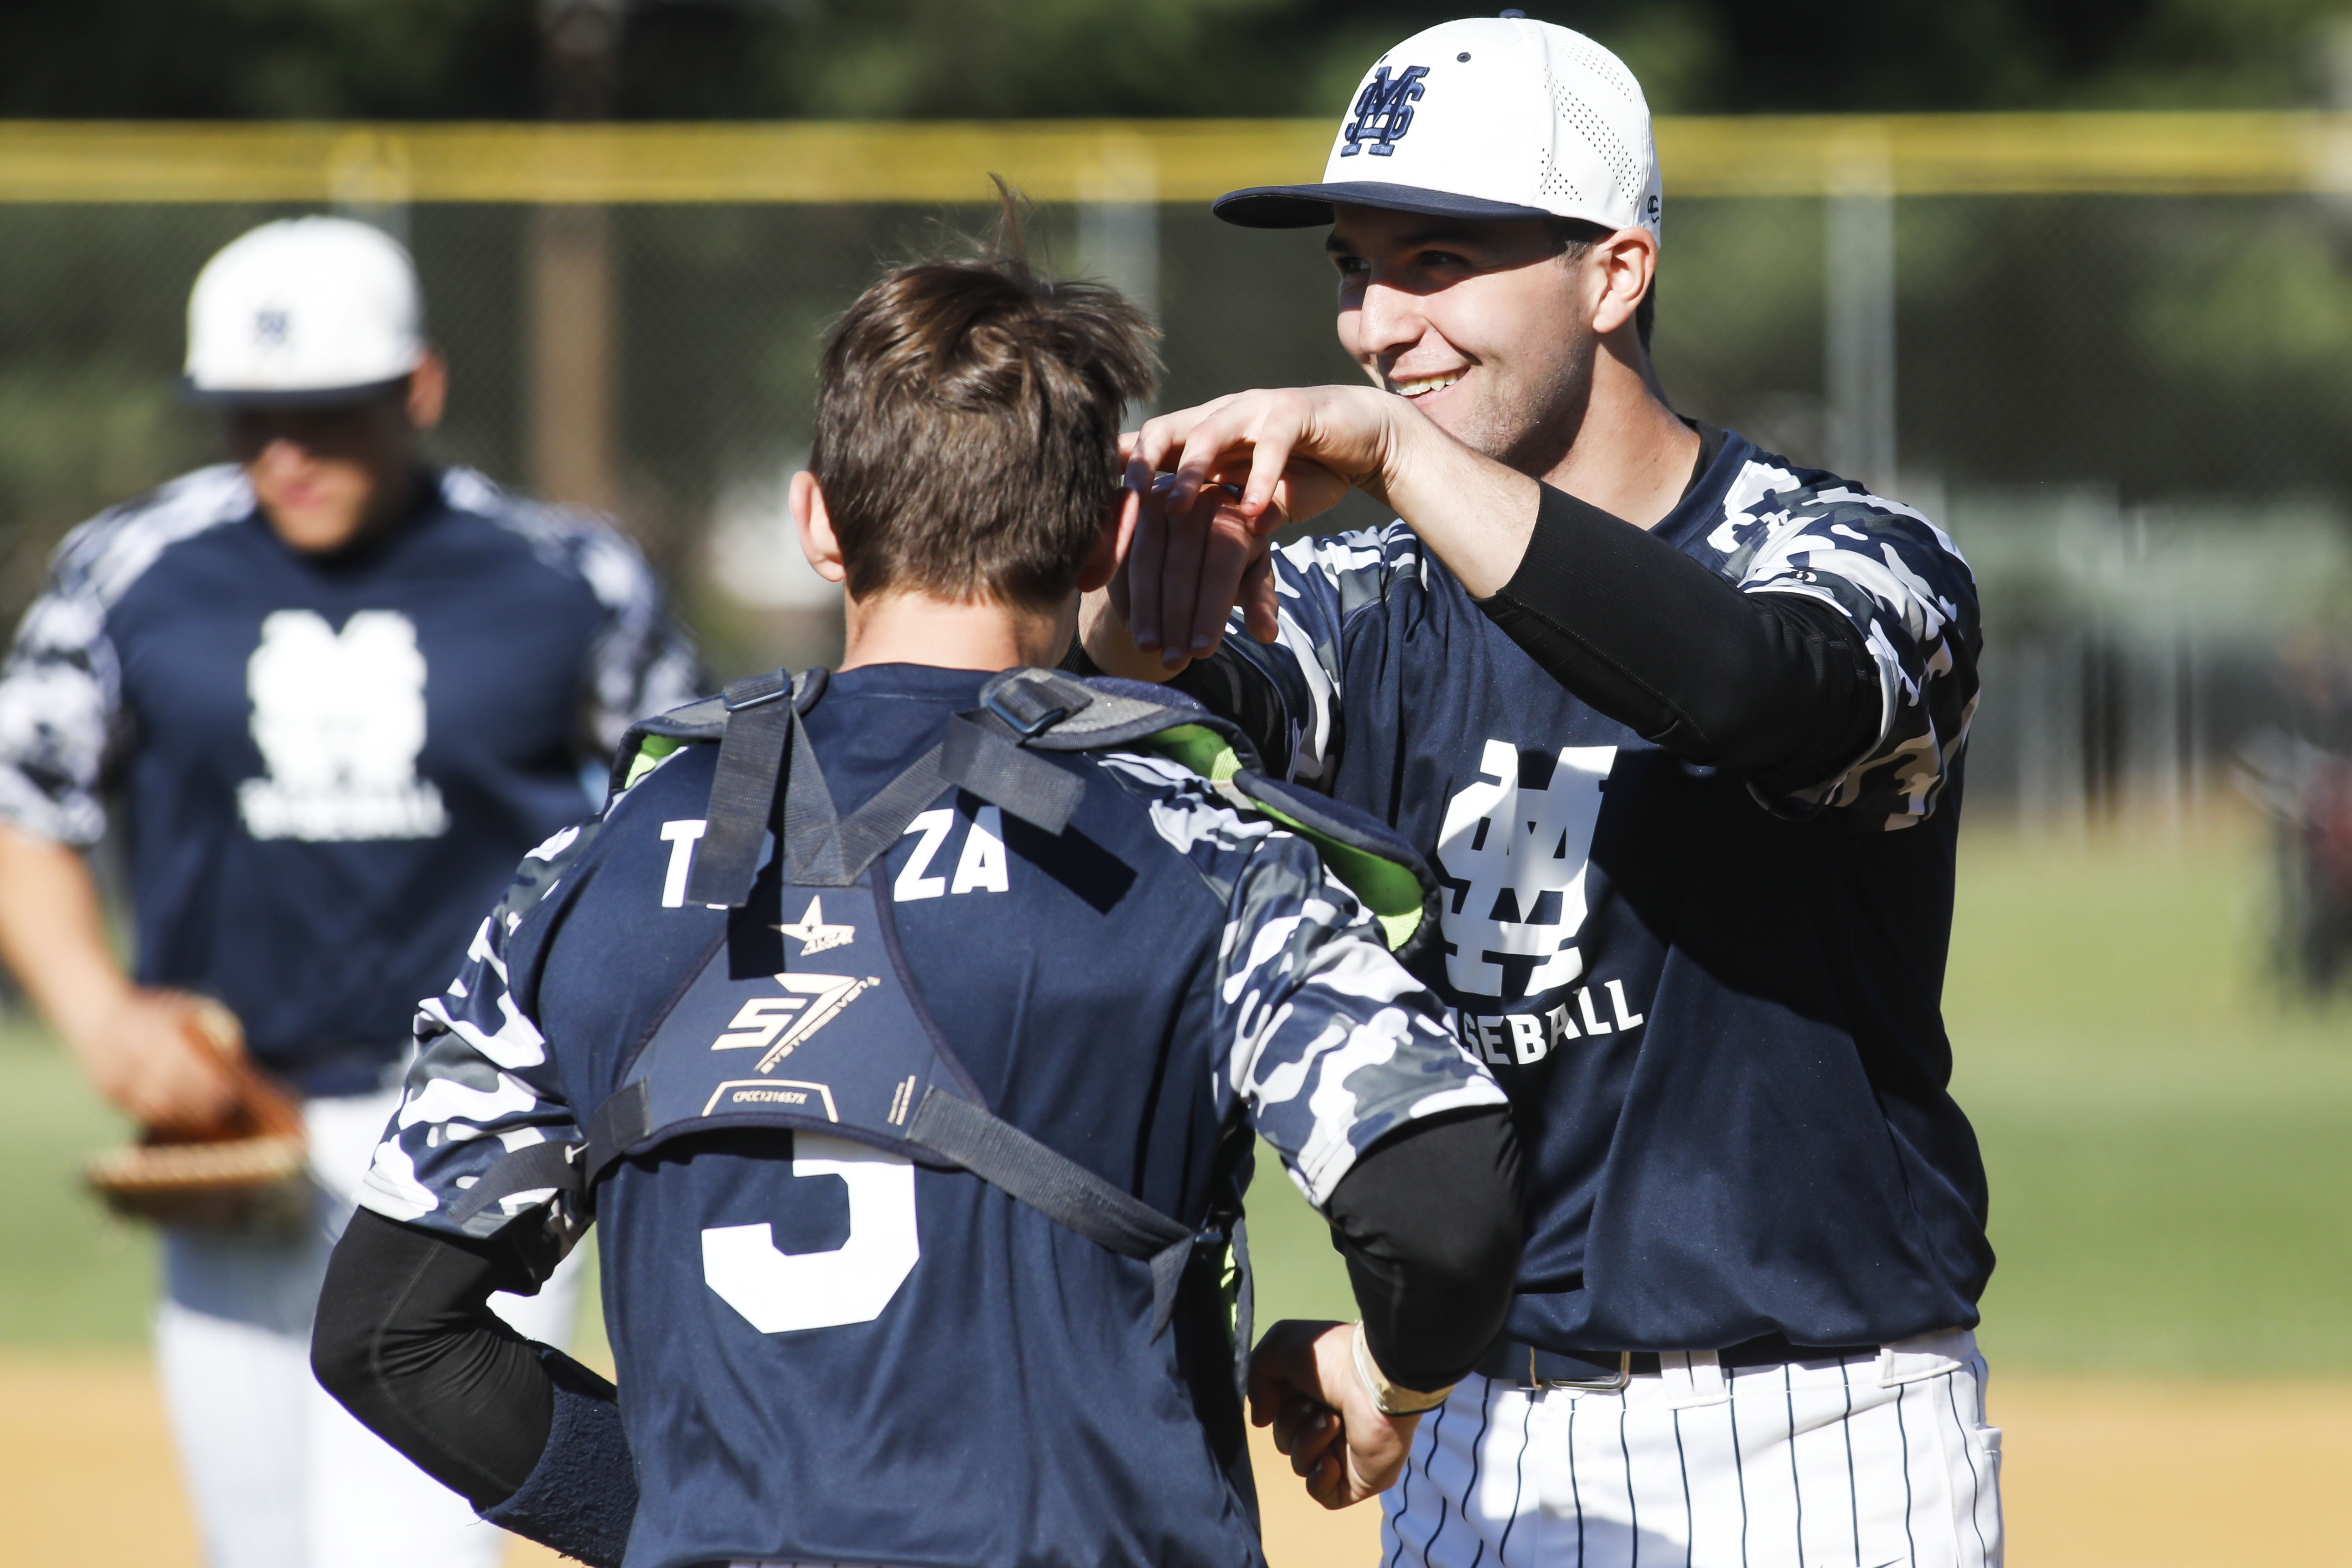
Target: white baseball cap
point(308, 310)
point(1483, 118)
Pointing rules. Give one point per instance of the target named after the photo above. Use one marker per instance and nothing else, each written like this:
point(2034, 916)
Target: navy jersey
point(828, 1355)
point(1717, 1009)
point(328, 764)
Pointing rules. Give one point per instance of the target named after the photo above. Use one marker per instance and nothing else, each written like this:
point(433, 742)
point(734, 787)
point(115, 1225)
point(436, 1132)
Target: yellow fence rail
point(1168, 160)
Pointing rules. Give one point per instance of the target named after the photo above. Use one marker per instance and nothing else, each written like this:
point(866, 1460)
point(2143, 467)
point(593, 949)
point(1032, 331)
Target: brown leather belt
point(1524, 1365)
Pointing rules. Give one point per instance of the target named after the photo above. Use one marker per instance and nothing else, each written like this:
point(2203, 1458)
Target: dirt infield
point(2099, 1473)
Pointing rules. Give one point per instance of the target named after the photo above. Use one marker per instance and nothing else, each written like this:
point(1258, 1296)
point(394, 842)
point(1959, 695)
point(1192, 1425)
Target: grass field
point(2170, 1148)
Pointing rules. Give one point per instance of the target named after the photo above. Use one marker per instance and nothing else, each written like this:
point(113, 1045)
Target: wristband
point(1392, 1399)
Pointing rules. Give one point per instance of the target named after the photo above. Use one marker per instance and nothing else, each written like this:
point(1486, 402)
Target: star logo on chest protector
point(813, 934)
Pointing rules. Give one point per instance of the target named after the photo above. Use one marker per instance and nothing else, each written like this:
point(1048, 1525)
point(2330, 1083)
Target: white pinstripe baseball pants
point(1863, 1463)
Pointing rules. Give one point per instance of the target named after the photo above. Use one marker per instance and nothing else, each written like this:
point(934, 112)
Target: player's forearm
point(53, 933)
point(1763, 683)
point(1473, 513)
point(405, 1339)
point(1429, 1223)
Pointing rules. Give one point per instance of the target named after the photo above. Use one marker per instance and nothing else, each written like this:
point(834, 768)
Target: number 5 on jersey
point(784, 1292)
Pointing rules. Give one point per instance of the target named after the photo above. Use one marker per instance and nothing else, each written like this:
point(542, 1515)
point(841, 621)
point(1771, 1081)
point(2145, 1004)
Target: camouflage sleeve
point(1326, 1040)
point(642, 663)
point(1285, 694)
point(1903, 584)
point(61, 714)
point(483, 1082)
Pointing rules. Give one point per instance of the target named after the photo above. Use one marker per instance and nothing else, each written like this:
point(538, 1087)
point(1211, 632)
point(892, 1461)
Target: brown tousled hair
point(967, 426)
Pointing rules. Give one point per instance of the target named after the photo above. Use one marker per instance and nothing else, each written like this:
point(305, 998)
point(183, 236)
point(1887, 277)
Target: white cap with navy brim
point(1485, 118)
point(304, 311)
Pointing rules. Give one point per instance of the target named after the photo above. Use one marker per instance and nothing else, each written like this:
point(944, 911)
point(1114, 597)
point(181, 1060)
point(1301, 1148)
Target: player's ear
point(1110, 543)
point(1624, 264)
point(818, 543)
point(428, 390)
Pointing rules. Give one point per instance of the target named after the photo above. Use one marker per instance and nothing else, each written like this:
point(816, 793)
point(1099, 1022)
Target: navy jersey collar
point(1696, 516)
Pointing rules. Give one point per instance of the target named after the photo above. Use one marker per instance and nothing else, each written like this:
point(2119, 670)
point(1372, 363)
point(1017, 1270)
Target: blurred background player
point(1682, 724)
point(827, 1353)
point(336, 692)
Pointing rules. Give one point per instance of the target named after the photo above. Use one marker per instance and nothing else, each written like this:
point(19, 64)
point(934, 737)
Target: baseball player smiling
point(1682, 724)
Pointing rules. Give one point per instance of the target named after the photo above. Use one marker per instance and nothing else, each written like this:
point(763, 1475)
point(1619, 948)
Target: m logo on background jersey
point(340, 719)
point(1383, 112)
point(1512, 853)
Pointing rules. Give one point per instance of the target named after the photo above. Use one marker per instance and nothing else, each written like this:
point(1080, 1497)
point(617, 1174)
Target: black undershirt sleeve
point(1773, 684)
point(1429, 1222)
point(406, 1340)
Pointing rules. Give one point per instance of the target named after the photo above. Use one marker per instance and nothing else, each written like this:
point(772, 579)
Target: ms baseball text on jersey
point(827, 1353)
point(325, 759)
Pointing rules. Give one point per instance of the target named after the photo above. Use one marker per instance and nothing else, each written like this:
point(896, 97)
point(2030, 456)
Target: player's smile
point(1420, 389)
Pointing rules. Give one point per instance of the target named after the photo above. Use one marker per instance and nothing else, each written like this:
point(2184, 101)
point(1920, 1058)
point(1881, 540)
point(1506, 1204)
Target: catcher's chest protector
point(841, 1043)
point(838, 1042)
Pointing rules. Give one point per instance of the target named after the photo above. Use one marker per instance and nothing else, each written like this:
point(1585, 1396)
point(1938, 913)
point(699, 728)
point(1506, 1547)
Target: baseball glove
point(249, 1168)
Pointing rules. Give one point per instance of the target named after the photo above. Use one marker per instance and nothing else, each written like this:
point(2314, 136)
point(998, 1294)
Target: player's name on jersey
point(1523, 1039)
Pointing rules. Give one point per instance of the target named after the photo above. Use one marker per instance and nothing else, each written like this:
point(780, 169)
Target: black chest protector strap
point(1007, 1158)
point(743, 786)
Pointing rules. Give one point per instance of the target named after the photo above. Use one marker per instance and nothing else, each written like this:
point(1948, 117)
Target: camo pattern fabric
point(482, 1082)
point(1903, 583)
point(1324, 1036)
point(1888, 569)
point(1317, 1033)
point(63, 721)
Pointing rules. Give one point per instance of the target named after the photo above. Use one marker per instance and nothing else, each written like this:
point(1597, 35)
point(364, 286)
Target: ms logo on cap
point(1383, 112)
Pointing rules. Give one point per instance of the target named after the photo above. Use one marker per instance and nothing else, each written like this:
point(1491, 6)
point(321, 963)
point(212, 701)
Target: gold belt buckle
point(1589, 1384)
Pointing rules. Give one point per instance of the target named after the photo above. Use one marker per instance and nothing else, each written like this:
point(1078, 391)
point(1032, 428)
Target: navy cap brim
point(306, 397)
point(1307, 206)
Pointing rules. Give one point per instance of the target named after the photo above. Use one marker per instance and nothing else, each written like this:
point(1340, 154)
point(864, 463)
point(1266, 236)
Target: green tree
point(428, 59)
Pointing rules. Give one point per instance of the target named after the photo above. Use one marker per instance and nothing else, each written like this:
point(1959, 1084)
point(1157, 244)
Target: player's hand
point(1291, 453)
point(1217, 479)
point(147, 1055)
point(1181, 575)
point(1303, 1383)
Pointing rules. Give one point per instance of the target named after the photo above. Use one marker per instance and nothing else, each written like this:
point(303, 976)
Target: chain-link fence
point(2113, 354)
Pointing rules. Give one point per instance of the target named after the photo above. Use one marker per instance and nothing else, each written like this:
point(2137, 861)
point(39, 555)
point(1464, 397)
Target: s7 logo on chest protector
point(1513, 854)
point(778, 1025)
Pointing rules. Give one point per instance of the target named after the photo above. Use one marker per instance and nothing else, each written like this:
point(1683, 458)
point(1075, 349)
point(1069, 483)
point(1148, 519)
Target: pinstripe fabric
point(1863, 1463)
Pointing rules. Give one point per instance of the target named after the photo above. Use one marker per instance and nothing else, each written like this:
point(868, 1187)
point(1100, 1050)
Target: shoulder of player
point(583, 546)
point(1772, 511)
point(1191, 820)
point(99, 561)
